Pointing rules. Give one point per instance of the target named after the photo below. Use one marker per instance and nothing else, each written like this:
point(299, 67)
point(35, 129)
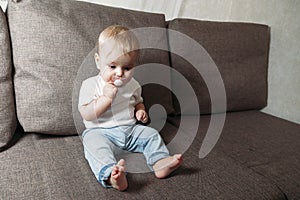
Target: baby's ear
point(97, 60)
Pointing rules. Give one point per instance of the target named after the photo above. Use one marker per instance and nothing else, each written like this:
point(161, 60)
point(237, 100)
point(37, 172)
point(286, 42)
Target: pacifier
point(118, 82)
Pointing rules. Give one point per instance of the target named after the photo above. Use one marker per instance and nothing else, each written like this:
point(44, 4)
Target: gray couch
point(42, 47)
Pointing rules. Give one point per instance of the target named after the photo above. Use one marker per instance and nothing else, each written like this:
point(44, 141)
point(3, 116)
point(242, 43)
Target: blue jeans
point(100, 144)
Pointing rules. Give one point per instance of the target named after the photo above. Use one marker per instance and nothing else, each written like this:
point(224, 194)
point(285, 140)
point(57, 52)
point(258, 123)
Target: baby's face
point(117, 66)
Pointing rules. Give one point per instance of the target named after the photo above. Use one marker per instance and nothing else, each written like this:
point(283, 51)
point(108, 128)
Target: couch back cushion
point(7, 106)
point(50, 40)
point(240, 52)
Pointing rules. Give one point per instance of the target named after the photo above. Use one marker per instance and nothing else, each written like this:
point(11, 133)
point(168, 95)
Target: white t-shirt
point(122, 109)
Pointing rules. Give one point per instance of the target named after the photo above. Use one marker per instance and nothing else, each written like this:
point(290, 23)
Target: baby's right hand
point(109, 90)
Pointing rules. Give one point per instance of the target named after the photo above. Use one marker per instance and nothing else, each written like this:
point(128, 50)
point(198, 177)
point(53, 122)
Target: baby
point(110, 105)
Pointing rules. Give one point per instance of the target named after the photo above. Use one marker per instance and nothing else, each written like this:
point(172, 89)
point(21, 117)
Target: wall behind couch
point(281, 16)
point(3, 4)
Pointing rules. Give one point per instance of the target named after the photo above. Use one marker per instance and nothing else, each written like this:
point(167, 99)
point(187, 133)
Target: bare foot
point(117, 177)
point(165, 166)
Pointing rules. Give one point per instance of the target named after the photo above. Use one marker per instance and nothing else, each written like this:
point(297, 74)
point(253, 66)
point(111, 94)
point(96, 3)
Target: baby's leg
point(117, 177)
point(165, 166)
point(155, 151)
point(99, 152)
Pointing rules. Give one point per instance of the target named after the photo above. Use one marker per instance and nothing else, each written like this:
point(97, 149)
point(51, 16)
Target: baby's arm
point(97, 107)
point(140, 113)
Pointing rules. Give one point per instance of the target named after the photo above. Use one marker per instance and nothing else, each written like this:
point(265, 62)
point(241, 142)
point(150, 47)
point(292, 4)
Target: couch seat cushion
point(53, 167)
point(265, 144)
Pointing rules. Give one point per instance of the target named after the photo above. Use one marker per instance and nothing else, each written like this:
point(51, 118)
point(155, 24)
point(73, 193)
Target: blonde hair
point(122, 36)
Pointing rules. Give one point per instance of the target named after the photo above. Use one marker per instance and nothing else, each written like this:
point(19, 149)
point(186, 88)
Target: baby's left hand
point(141, 115)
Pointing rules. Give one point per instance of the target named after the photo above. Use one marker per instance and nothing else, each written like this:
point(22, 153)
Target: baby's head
point(117, 51)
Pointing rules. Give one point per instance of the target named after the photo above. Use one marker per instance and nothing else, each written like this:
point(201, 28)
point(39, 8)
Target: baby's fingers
point(144, 117)
point(139, 116)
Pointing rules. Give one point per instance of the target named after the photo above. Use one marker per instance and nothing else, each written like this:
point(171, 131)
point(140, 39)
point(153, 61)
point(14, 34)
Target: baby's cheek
point(130, 73)
point(128, 77)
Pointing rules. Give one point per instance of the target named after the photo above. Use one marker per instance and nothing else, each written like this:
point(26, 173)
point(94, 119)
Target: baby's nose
point(119, 72)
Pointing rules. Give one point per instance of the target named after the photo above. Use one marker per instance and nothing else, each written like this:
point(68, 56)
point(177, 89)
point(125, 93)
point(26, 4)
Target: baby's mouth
point(117, 78)
point(117, 81)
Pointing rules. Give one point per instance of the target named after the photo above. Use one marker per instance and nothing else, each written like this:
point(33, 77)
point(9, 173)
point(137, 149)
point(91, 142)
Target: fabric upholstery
point(57, 169)
point(50, 40)
point(8, 121)
point(263, 143)
point(240, 52)
point(268, 145)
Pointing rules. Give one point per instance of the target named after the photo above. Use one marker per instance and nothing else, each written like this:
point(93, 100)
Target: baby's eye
point(112, 66)
point(127, 68)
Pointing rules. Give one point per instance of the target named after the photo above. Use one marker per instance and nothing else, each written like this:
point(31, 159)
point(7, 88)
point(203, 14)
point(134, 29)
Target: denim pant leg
point(148, 141)
point(99, 152)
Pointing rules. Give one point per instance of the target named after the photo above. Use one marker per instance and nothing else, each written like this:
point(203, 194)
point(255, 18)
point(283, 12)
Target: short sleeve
point(138, 96)
point(86, 94)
